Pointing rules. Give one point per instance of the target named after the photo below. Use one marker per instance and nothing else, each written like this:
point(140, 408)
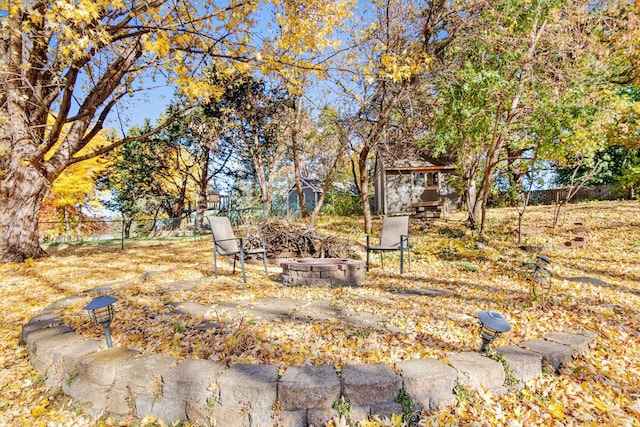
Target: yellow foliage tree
point(76, 60)
point(73, 190)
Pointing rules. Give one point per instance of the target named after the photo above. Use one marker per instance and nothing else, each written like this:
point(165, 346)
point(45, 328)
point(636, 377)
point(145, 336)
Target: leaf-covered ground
point(428, 312)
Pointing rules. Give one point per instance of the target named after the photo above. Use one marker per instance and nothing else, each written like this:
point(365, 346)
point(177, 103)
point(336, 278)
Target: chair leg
point(215, 264)
point(264, 259)
point(367, 249)
point(401, 258)
point(244, 275)
point(367, 264)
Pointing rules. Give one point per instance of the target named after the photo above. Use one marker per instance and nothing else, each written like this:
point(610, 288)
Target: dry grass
point(428, 312)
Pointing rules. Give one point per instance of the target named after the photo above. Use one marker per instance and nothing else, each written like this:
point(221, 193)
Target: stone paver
point(65, 358)
point(320, 417)
point(590, 280)
point(423, 292)
point(232, 417)
point(428, 380)
point(322, 310)
point(193, 380)
point(359, 413)
point(101, 367)
point(262, 308)
point(553, 353)
point(143, 373)
point(370, 384)
point(93, 397)
point(253, 385)
point(43, 350)
point(578, 343)
point(296, 418)
point(475, 371)
point(524, 364)
point(387, 409)
point(195, 309)
point(44, 320)
point(38, 334)
point(270, 308)
point(168, 410)
point(308, 387)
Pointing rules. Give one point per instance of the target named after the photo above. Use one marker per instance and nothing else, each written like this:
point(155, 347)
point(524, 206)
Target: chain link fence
point(121, 231)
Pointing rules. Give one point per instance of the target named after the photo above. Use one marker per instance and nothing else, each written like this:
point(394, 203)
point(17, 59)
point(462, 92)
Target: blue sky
point(148, 104)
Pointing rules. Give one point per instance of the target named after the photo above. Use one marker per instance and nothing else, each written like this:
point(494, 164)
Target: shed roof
point(407, 155)
point(317, 185)
point(314, 184)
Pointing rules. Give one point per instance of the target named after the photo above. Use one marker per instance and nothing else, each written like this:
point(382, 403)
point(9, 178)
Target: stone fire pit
point(322, 271)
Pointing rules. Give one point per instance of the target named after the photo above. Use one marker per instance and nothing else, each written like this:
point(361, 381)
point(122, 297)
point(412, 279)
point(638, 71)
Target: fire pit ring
point(323, 272)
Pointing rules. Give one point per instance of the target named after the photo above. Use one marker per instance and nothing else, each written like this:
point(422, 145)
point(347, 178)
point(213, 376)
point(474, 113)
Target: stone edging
point(122, 382)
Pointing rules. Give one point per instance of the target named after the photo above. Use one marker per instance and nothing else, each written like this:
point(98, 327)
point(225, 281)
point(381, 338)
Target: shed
point(409, 180)
point(311, 190)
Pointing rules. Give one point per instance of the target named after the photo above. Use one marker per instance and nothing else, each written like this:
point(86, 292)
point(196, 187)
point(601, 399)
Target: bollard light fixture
point(102, 312)
point(492, 324)
point(541, 273)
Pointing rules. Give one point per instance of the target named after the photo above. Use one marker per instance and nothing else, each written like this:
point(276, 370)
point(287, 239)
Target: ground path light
point(102, 312)
point(492, 324)
point(541, 272)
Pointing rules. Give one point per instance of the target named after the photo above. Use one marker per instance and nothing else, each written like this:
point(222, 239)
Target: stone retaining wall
point(123, 382)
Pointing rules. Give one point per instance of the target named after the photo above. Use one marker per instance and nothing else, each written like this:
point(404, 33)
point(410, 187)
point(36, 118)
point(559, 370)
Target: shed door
point(425, 187)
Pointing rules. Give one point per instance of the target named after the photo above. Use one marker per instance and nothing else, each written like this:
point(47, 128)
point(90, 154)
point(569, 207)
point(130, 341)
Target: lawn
point(428, 312)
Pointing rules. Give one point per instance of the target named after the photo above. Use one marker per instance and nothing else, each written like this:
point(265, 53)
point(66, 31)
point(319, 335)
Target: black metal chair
point(225, 243)
point(394, 237)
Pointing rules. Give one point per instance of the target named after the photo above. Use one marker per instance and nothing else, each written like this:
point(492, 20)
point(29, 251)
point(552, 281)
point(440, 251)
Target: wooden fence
point(601, 192)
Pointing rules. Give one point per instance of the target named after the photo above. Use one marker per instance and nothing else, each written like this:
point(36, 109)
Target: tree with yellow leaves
point(76, 60)
point(74, 190)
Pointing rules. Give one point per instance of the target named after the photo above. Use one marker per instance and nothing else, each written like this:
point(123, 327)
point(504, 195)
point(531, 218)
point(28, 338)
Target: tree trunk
point(469, 202)
point(572, 190)
point(202, 188)
point(67, 223)
point(295, 132)
point(179, 206)
point(364, 189)
point(21, 194)
point(327, 184)
point(263, 180)
point(127, 227)
point(493, 156)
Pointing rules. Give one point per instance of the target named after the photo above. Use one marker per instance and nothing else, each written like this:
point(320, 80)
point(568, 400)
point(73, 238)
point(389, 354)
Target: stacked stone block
point(322, 272)
point(122, 382)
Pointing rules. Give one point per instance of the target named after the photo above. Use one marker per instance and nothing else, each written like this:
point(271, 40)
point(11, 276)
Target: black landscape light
point(102, 312)
point(492, 324)
point(541, 272)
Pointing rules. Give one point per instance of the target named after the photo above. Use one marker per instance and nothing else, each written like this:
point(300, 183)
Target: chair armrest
point(228, 240)
point(241, 241)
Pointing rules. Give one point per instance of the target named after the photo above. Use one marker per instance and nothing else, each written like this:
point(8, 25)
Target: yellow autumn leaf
point(557, 410)
point(601, 405)
point(396, 420)
point(40, 408)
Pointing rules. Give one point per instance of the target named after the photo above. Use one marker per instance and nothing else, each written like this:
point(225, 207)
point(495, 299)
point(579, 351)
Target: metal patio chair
point(394, 237)
point(225, 243)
